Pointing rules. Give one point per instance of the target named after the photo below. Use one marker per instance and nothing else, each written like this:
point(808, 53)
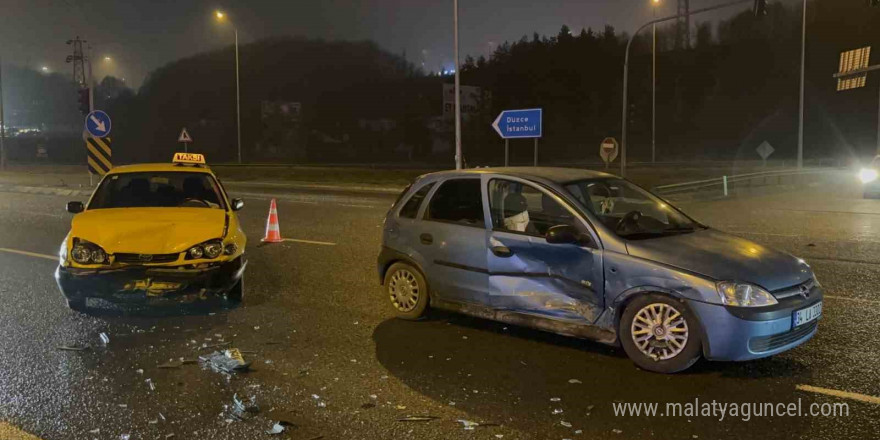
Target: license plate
point(809, 314)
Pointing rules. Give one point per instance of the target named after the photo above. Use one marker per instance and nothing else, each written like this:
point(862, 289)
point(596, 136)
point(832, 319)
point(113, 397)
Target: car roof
point(166, 167)
point(552, 174)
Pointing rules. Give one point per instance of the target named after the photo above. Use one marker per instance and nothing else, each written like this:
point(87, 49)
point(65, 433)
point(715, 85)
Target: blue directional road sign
point(519, 123)
point(98, 123)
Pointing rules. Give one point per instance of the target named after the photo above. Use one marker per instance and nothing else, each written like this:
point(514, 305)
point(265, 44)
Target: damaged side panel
point(557, 281)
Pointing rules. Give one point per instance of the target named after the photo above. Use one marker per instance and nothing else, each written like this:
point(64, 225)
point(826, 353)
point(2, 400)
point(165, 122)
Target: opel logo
point(145, 257)
point(805, 291)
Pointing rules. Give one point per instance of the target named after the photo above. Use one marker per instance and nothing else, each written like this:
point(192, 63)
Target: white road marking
point(9, 432)
point(869, 301)
point(763, 233)
point(357, 206)
point(29, 254)
point(322, 243)
point(842, 394)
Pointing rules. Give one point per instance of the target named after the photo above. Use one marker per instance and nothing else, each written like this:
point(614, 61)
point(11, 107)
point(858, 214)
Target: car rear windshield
point(158, 190)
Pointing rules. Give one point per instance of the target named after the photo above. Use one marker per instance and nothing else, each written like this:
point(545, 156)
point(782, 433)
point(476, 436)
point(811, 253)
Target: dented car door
point(526, 273)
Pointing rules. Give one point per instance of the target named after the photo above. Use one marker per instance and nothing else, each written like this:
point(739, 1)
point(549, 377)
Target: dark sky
point(141, 35)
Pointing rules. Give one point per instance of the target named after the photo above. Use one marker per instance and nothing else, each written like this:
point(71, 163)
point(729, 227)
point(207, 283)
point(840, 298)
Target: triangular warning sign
point(184, 136)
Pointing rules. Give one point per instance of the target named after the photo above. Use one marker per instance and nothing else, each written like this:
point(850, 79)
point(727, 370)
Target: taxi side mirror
point(75, 207)
point(237, 204)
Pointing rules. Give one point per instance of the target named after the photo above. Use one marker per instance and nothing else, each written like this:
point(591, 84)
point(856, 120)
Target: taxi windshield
point(158, 190)
point(628, 210)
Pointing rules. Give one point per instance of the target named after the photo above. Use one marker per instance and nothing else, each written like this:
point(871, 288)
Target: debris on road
point(555, 399)
point(125, 437)
point(417, 418)
point(104, 338)
point(279, 427)
point(73, 348)
point(574, 381)
point(616, 431)
point(241, 410)
point(557, 411)
point(467, 424)
point(227, 361)
point(566, 424)
point(150, 384)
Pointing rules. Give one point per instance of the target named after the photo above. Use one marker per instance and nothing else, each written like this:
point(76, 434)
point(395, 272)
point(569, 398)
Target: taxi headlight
point(744, 295)
point(867, 175)
point(84, 252)
point(195, 252)
point(213, 249)
point(230, 249)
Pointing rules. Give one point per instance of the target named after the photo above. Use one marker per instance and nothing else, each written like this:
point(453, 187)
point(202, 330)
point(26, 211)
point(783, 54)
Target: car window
point(612, 200)
point(517, 207)
point(158, 189)
point(457, 201)
point(411, 208)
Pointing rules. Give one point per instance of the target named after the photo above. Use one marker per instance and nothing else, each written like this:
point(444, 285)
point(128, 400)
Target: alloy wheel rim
point(404, 290)
point(659, 331)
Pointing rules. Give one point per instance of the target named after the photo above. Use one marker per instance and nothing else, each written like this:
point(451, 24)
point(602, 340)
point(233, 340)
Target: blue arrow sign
point(98, 123)
point(519, 123)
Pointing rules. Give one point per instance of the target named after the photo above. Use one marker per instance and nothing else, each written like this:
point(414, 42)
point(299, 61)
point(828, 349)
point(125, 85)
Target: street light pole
point(2, 123)
point(458, 159)
point(654, 92)
point(237, 97)
point(800, 151)
point(626, 69)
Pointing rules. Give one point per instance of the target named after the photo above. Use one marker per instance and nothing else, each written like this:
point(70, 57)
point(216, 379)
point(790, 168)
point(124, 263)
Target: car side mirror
point(562, 234)
point(237, 204)
point(75, 207)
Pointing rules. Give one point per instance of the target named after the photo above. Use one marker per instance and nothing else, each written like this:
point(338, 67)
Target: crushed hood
point(148, 230)
point(723, 257)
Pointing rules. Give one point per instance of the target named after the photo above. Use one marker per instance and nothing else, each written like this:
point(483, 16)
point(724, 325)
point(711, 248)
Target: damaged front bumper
point(150, 284)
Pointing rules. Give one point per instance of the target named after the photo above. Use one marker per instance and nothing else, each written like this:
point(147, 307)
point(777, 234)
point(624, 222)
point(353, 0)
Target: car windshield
point(158, 190)
point(628, 210)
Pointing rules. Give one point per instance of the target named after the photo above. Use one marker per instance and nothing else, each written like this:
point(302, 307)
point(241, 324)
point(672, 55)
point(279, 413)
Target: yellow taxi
point(154, 233)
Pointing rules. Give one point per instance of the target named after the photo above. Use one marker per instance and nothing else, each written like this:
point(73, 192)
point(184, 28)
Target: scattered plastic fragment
point(616, 431)
point(227, 361)
point(467, 424)
point(125, 437)
point(95, 431)
point(555, 399)
point(500, 435)
point(123, 405)
point(373, 396)
point(451, 403)
point(106, 340)
point(417, 418)
point(242, 410)
point(279, 427)
point(167, 436)
point(557, 411)
point(566, 424)
point(574, 381)
point(161, 417)
point(73, 348)
point(400, 407)
point(139, 371)
point(150, 384)
point(579, 432)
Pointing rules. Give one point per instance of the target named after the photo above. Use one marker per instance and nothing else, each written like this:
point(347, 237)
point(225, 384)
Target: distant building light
point(44, 69)
point(853, 60)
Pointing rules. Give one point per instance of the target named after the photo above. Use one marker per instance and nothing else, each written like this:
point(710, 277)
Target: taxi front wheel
point(407, 290)
point(660, 334)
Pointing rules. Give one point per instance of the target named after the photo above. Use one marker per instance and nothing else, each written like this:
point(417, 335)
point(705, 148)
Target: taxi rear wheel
point(660, 334)
point(237, 292)
point(407, 290)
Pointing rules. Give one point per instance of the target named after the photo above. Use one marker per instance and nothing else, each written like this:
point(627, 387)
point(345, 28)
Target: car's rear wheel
point(407, 290)
point(660, 334)
point(236, 294)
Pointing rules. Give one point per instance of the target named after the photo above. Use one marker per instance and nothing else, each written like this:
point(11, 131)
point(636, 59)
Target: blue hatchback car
point(591, 255)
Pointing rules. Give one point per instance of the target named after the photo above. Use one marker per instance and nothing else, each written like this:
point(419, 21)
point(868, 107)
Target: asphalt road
point(328, 357)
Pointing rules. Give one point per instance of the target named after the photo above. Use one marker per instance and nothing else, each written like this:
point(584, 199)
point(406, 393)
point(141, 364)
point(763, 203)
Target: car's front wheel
point(407, 290)
point(660, 334)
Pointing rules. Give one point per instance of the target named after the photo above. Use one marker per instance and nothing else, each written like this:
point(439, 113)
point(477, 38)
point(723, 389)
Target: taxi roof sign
point(189, 158)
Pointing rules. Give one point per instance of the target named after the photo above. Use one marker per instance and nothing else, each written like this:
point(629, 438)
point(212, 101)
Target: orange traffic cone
point(273, 232)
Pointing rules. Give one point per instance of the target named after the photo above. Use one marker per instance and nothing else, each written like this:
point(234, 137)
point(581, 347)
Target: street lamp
point(221, 16)
point(656, 3)
point(800, 151)
point(458, 158)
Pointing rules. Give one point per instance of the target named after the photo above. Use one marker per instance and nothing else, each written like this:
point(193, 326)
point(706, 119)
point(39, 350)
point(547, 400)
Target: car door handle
point(502, 251)
point(426, 238)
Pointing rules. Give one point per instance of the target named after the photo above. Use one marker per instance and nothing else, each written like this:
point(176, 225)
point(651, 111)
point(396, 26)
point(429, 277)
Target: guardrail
point(727, 185)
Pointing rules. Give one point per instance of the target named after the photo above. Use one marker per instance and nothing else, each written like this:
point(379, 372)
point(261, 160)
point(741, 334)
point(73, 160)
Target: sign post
point(519, 124)
point(608, 150)
point(185, 139)
point(765, 150)
point(98, 143)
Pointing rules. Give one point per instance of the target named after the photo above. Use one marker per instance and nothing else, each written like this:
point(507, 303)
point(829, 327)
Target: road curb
point(317, 186)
